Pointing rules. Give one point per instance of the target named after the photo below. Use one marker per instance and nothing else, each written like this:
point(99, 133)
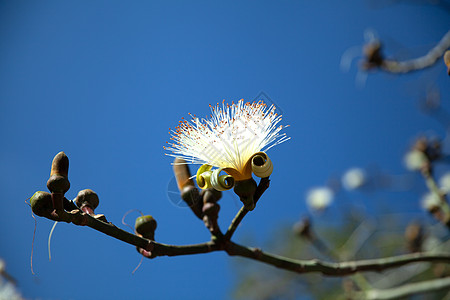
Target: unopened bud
point(41, 204)
point(87, 200)
point(58, 181)
point(211, 209)
point(182, 173)
point(246, 189)
point(210, 195)
point(146, 226)
point(414, 237)
point(191, 196)
point(303, 228)
point(373, 55)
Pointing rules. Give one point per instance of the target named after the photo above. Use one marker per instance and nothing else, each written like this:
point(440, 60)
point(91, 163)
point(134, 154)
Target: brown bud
point(432, 148)
point(191, 196)
point(146, 226)
point(58, 181)
point(182, 173)
point(414, 237)
point(210, 195)
point(41, 204)
point(87, 200)
point(373, 55)
point(60, 165)
point(303, 228)
point(246, 189)
point(211, 209)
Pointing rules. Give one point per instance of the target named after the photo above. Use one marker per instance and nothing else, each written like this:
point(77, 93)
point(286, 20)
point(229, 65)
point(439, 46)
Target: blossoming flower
point(354, 178)
point(444, 183)
point(319, 198)
point(230, 138)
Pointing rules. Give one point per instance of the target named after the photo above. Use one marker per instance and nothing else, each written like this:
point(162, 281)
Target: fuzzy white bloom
point(319, 198)
point(430, 200)
point(415, 160)
point(444, 182)
point(228, 139)
point(354, 178)
point(8, 291)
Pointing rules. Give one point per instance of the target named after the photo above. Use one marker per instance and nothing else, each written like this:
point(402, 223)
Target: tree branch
point(333, 269)
point(152, 249)
point(421, 62)
point(408, 289)
point(80, 218)
point(374, 58)
point(158, 249)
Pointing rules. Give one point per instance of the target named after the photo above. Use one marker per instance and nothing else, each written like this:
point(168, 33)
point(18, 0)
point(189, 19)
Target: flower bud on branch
point(186, 186)
point(145, 226)
point(58, 183)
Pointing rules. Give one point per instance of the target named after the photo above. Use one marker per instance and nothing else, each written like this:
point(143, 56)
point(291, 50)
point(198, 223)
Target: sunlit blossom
point(319, 198)
point(229, 137)
point(444, 182)
point(354, 178)
point(430, 201)
point(415, 160)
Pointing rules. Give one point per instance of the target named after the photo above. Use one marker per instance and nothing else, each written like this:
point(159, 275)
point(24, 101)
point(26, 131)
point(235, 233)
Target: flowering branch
point(81, 213)
point(152, 249)
point(233, 141)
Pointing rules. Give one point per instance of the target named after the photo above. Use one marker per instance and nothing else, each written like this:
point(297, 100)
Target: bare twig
point(330, 268)
point(374, 58)
point(421, 62)
point(157, 249)
point(408, 289)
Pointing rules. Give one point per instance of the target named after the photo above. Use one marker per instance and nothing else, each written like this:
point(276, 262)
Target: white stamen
point(229, 137)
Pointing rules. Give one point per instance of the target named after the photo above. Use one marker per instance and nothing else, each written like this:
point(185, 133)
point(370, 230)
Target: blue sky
point(104, 80)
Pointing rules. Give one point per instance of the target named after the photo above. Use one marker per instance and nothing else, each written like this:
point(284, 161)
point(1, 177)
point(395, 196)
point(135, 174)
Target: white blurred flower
point(8, 291)
point(444, 182)
point(415, 160)
point(354, 178)
point(430, 201)
point(319, 198)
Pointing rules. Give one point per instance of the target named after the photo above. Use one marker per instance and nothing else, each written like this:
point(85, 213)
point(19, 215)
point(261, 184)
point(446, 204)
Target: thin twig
point(82, 219)
point(235, 223)
point(409, 289)
point(419, 63)
point(159, 249)
point(330, 268)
